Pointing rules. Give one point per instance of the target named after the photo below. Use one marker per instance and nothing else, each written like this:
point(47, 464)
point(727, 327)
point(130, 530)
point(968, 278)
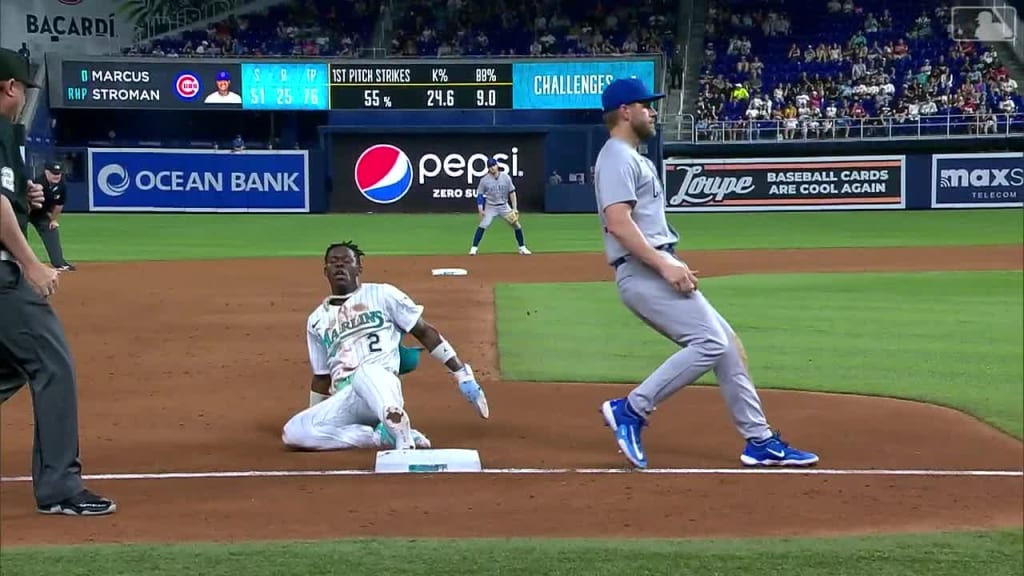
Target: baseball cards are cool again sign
point(758, 184)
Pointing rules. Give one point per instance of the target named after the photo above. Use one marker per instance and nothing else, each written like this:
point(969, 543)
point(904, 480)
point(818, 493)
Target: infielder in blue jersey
point(496, 196)
point(661, 290)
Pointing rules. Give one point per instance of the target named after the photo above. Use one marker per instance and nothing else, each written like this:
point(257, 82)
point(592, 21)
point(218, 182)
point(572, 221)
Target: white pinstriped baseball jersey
point(366, 328)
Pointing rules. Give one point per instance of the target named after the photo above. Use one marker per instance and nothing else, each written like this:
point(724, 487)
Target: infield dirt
point(195, 366)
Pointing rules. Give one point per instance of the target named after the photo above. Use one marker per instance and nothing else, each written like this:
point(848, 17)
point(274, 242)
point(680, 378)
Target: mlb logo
point(984, 23)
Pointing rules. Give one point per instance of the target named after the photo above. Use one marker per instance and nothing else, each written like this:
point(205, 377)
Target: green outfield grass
point(964, 554)
point(949, 338)
point(112, 237)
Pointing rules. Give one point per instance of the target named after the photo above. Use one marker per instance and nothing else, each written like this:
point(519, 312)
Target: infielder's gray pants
point(33, 350)
point(709, 344)
point(51, 240)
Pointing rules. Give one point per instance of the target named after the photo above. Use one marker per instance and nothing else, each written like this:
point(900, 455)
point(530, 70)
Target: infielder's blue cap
point(223, 75)
point(625, 91)
point(491, 162)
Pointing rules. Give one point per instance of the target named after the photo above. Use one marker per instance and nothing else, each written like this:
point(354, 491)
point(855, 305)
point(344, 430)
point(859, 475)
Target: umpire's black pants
point(51, 240)
point(33, 350)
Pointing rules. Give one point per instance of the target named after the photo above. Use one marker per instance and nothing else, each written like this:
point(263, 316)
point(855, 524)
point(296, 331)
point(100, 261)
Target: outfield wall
point(354, 169)
point(423, 171)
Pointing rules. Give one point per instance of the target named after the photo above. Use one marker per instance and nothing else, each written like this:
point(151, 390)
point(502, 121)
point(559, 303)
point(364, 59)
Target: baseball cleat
point(386, 440)
point(524, 251)
point(85, 503)
point(475, 395)
point(775, 452)
point(397, 423)
point(627, 424)
point(472, 251)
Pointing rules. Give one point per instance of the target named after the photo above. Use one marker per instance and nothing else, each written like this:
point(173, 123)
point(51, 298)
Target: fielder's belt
point(670, 248)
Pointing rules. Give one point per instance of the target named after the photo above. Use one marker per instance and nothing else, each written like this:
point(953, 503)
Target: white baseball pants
point(346, 420)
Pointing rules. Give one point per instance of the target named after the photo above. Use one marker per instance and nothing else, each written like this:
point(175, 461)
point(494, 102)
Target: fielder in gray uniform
point(496, 196)
point(661, 290)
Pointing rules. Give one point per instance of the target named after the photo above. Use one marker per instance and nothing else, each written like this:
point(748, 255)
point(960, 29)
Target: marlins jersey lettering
point(366, 328)
point(621, 174)
point(495, 189)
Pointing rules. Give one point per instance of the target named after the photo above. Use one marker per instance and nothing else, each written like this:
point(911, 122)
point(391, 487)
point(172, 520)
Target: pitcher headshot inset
point(223, 95)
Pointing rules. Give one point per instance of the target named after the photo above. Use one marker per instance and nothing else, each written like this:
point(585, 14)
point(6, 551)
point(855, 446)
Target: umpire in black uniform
point(46, 219)
point(33, 348)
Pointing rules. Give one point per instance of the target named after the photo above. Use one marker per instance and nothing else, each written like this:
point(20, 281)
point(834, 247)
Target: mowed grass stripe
point(118, 237)
point(954, 339)
point(997, 553)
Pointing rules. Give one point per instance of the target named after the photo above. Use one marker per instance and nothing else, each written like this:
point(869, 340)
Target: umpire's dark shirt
point(53, 196)
point(12, 172)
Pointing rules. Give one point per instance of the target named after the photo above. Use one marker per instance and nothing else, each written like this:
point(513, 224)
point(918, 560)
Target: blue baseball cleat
point(627, 424)
point(775, 452)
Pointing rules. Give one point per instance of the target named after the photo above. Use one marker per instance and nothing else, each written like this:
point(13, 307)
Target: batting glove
point(472, 391)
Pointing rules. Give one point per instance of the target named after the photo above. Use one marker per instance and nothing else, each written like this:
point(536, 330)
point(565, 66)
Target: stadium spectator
point(537, 29)
point(301, 28)
point(897, 69)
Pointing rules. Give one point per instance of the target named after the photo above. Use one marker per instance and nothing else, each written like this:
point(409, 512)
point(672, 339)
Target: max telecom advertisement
point(155, 180)
point(989, 180)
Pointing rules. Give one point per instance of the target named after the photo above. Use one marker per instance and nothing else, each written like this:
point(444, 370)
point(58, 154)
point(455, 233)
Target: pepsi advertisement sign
point(431, 173)
point(158, 180)
point(173, 85)
point(986, 180)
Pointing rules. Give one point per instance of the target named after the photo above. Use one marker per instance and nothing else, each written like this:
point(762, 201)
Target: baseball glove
point(512, 217)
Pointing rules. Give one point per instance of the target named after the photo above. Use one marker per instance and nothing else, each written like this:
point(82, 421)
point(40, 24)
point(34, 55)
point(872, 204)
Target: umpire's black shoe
point(85, 503)
point(67, 267)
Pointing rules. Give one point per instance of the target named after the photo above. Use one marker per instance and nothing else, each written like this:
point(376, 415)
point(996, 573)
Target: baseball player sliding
point(496, 196)
point(660, 289)
point(354, 340)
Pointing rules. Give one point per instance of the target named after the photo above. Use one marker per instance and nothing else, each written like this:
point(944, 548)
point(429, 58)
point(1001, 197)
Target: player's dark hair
point(346, 244)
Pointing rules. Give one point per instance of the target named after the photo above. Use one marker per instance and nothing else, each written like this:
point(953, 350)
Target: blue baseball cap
point(223, 75)
point(491, 162)
point(626, 91)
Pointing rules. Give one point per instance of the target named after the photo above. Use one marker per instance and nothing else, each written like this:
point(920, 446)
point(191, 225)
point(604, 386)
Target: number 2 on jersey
point(374, 340)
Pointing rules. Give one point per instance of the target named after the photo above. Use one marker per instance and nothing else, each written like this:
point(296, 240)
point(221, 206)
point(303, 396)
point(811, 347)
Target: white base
point(449, 272)
point(427, 461)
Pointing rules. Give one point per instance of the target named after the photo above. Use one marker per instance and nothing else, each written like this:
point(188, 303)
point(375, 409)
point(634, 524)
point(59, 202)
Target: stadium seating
point(906, 43)
point(435, 28)
point(488, 28)
point(303, 28)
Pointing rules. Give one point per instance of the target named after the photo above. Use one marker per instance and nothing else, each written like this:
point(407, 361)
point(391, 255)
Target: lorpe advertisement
point(765, 184)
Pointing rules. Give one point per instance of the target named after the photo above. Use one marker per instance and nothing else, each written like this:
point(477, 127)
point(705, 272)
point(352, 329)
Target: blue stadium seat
point(812, 24)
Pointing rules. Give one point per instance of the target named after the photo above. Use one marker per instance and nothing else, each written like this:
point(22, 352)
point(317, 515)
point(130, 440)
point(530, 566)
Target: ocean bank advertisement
point(156, 180)
point(766, 184)
point(985, 180)
point(575, 85)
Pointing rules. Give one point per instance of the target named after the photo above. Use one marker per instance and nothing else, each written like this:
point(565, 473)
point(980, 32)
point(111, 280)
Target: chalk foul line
point(539, 471)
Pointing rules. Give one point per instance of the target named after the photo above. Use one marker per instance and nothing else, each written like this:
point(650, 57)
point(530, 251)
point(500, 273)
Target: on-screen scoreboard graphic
point(314, 85)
